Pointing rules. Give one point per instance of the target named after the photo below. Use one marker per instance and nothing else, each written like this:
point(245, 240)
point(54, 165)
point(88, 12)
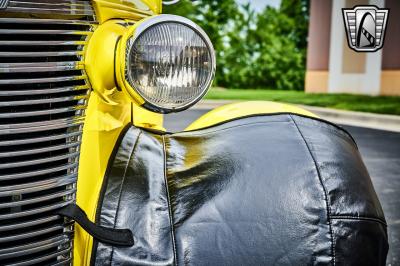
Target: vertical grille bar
point(43, 96)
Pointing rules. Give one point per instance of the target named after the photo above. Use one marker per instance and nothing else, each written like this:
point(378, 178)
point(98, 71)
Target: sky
point(259, 5)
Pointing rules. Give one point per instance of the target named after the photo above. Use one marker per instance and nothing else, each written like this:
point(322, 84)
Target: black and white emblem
point(365, 27)
point(3, 4)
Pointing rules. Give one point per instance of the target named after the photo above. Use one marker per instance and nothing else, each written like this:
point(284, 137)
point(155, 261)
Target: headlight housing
point(168, 63)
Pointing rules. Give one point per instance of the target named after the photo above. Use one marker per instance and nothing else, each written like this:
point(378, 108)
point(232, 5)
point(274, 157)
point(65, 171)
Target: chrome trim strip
point(66, 262)
point(33, 247)
point(41, 54)
point(45, 32)
point(39, 161)
point(34, 211)
point(47, 197)
point(39, 67)
point(66, 122)
point(70, 166)
point(45, 21)
point(40, 80)
point(39, 150)
point(42, 101)
point(29, 223)
point(39, 139)
point(49, 3)
point(13, 7)
point(31, 233)
point(43, 7)
point(43, 43)
point(40, 126)
point(43, 112)
point(43, 91)
point(37, 186)
point(47, 257)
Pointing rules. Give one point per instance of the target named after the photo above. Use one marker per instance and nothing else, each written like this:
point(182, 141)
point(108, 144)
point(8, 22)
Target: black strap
point(115, 237)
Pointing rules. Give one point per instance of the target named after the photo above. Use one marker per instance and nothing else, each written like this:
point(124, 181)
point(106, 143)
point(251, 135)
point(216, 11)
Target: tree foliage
point(257, 50)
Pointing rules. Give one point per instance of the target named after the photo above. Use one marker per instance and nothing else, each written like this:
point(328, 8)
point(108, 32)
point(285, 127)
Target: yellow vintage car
point(89, 175)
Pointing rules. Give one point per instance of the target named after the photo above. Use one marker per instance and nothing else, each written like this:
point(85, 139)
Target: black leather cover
point(278, 189)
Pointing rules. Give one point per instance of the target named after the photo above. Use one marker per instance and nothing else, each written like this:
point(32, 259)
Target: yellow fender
point(134, 10)
point(109, 111)
point(243, 109)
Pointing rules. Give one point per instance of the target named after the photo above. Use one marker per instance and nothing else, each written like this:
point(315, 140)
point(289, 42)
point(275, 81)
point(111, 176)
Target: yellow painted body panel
point(126, 9)
point(103, 125)
point(99, 59)
point(109, 111)
point(236, 110)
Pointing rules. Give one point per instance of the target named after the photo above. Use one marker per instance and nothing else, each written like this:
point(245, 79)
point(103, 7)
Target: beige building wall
point(318, 46)
point(332, 67)
point(390, 76)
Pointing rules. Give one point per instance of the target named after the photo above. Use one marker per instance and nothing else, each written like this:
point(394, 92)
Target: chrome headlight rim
point(141, 29)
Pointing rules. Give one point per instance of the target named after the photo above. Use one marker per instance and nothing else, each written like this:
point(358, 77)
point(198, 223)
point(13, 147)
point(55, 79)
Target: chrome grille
point(43, 96)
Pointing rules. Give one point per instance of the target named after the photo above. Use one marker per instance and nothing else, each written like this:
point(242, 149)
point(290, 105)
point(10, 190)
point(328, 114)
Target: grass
point(362, 103)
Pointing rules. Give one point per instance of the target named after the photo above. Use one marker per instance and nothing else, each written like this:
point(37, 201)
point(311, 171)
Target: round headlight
point(169, 62)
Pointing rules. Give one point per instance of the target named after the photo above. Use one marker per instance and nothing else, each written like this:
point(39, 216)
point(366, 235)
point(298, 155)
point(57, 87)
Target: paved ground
point(179, 121)
point(381, 154)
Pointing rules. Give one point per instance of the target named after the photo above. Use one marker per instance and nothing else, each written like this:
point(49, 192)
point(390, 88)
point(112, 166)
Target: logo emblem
point(3, 4)
point(365, 27)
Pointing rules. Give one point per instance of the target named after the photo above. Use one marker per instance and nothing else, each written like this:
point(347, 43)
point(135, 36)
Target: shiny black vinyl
point(263, 190)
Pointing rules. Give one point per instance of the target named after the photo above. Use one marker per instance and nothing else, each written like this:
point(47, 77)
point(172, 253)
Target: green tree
point(237, 62)
point(278, 62)
point(299, 11)
point(265, 50)
point(215, 17)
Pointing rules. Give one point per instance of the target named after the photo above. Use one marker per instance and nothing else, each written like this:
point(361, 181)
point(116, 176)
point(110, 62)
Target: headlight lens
point(170, 63)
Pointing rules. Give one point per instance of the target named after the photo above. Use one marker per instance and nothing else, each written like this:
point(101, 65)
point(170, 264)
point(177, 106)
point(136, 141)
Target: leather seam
point(331, 129)
point(358, 218)
point(120, 191)
point(328, 208)
point(171, 222)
